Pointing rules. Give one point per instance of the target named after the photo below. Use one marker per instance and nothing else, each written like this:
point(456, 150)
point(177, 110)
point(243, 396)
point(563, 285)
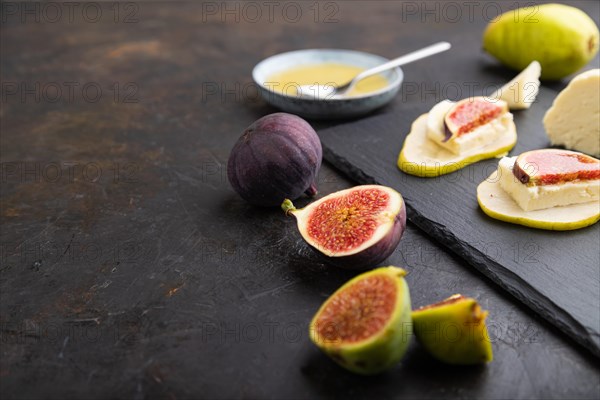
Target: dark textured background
point(137, 272)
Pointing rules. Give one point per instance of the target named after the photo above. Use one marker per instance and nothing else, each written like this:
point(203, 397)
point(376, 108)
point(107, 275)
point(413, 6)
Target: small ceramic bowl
point(332, 108)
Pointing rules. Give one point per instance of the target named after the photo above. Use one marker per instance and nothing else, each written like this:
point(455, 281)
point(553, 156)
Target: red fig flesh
point(277, 157)
point(468, 114)
point(356, 228)
point(552, 166)
point(365, 326)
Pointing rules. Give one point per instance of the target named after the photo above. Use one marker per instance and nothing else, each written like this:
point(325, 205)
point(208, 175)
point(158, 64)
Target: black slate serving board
point(557, 274)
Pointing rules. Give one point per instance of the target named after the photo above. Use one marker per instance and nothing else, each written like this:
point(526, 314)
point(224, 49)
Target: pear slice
point(421, 156)
point(454, 331)
point(522, 90)
point(498, 204)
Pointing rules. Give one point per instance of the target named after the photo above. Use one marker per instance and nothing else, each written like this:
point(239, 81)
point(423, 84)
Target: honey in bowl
point(287, 82)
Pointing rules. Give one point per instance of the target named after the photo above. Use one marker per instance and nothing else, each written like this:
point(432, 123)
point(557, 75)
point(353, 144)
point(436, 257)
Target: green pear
point(561, 38)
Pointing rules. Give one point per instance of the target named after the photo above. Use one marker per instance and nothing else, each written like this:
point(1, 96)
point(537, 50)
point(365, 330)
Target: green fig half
point(365, 326)
point(454, 331)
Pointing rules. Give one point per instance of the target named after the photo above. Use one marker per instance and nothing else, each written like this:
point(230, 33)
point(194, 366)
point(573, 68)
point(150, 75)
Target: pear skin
point(561, 38)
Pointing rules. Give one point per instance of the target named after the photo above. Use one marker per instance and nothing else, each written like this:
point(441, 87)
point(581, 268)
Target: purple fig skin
point(277, 157)
point(375, 255)
point(447, 133)
point(520, 174)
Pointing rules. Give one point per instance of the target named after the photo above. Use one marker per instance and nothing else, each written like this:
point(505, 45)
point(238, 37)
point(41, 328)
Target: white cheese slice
point(541, 197)
point(573, 120)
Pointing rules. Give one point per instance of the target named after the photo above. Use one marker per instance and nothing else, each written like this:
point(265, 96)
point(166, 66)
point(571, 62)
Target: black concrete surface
point(130, 269)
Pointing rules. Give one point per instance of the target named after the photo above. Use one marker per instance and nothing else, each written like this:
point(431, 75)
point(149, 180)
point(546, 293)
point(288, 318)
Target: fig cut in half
point(469, 114)
point(552, 166)
point(365, 326)
point(454, 331)
point(356, 228)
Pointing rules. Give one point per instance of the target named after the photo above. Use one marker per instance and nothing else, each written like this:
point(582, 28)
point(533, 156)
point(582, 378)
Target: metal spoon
point(324, 92)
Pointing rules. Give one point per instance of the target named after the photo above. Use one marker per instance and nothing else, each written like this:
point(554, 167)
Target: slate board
point(554, 273)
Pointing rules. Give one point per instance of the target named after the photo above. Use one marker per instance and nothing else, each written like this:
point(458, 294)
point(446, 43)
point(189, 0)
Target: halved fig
point(454, 331)
point(552, 166)
point(365, 326)
point(356, 228)
point(468, 114)
point(421, 156)
point(521, 92)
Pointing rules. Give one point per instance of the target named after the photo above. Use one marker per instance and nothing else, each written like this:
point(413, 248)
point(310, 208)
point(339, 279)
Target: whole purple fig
point(276, 158)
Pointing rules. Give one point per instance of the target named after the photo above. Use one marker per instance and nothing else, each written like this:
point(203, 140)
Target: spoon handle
point(405, 59)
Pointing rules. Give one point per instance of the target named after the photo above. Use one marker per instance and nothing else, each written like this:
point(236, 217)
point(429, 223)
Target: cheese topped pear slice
point(546, 189)
point(454, 135)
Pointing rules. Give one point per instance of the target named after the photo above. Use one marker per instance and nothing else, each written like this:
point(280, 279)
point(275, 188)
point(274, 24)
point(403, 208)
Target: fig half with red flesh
point(552, 166)
point(365, 326)
point(469, 114)
point(356, 228)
